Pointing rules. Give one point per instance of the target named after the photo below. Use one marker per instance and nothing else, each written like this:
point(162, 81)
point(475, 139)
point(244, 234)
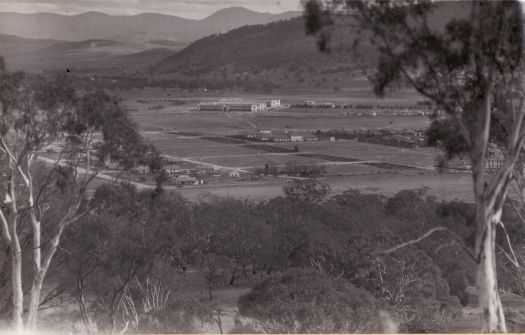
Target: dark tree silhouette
point(466, 57)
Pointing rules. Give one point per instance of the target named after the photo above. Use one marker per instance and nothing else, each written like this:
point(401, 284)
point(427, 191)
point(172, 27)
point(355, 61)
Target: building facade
point(237, 105)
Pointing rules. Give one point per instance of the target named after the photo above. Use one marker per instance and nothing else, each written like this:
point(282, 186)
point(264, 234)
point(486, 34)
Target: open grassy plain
point(327, 121)
point(179, 131)
point(234, 123)
point(425, 157)
point(442, 186)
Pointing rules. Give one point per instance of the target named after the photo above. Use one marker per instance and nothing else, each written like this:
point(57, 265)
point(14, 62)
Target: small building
point(280, 132)
point(202, 169)
point(310, 137)
point(141, 169)
point(185, 179)
point(211, 107)
point(252, 133)
point(327, 105)
point(273, 103)
point(296, 137)
point(309, 103)
point(173, 168)
point(493, 164)
point(280, 138)
point(495, 158)
point(111, 164)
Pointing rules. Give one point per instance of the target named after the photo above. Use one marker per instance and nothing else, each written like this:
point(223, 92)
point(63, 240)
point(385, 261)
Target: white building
point(237, 105)
point(111, 164)
point(296, 138)
point(273, 103)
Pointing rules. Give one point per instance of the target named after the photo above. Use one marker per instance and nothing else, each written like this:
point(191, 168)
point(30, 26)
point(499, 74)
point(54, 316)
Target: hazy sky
point(195, 9)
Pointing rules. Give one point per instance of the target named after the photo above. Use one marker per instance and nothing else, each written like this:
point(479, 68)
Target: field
point(442, 186)
point(242, 156)
point(196, 137)
point(425, 157)
point(234, 123)
point(205, 123)
point(192, 147)
point(314, 121)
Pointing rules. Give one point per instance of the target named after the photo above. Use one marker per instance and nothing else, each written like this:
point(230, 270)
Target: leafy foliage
point(306, 301)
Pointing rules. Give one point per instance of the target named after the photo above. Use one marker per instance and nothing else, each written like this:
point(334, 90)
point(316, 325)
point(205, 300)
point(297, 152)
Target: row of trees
point(334, 263)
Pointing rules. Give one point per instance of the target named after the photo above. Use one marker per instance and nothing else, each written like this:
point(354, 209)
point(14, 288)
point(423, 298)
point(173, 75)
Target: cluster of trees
point(402, 138)
point(41, 195)
point(332, 264)
point(293, 168)
point(465, 57)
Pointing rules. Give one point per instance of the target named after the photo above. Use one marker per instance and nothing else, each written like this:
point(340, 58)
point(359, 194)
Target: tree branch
point(5, 227)
point(12, 159)
point(514, 259)
point(426, 235)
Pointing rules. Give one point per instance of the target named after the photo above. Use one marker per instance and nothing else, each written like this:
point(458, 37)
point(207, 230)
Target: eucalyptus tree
point(465, 57)
point(44, 120)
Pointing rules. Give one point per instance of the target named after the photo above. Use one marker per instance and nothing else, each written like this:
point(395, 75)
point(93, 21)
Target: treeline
point(190, 82)
point(292, 168)
point(323, 256)
point(397, 138)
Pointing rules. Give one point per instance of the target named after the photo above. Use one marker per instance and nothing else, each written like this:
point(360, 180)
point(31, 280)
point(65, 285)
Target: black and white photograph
point(262, 166)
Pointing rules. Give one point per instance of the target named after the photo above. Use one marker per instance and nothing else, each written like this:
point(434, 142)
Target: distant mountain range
point(232, 44)
point(135, 28)
point(35, 55)
point(276, 52)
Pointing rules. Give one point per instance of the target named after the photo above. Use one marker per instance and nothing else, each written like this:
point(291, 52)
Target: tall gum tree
point(46, 191)
point(466, 57)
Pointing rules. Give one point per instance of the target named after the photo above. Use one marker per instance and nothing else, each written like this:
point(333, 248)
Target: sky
point(193, 9)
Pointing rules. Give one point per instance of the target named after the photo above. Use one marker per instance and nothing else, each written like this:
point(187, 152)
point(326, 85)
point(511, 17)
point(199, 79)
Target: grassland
point(231, 124)
point(314, 121)
point(368, 151)
point(178, 131)
point(442, 186)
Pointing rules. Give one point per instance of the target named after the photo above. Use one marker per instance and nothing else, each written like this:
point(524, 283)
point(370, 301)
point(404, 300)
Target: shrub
point(307, 301)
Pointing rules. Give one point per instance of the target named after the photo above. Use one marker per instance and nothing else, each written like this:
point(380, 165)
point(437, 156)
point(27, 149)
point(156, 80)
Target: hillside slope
point(281, 54)
point(278, 45)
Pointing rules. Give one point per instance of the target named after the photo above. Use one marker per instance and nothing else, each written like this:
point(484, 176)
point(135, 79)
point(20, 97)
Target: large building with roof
point(237, 105)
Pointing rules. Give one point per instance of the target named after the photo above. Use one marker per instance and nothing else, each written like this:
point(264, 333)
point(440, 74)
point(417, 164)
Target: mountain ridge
point(98, 25)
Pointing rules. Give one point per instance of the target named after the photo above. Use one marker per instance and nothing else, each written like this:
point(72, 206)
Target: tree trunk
point(218, 320)
point(82, 305)
point(16, 280)
point(232, 278)
point(34, 303)
point(210, 284)
point(16, 260)
point(489, 301)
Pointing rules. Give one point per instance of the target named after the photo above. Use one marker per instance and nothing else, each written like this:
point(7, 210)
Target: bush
point(307, 301)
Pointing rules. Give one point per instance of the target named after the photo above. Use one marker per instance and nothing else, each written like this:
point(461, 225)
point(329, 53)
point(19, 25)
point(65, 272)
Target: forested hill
point(282, 44)
point(281, 50)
